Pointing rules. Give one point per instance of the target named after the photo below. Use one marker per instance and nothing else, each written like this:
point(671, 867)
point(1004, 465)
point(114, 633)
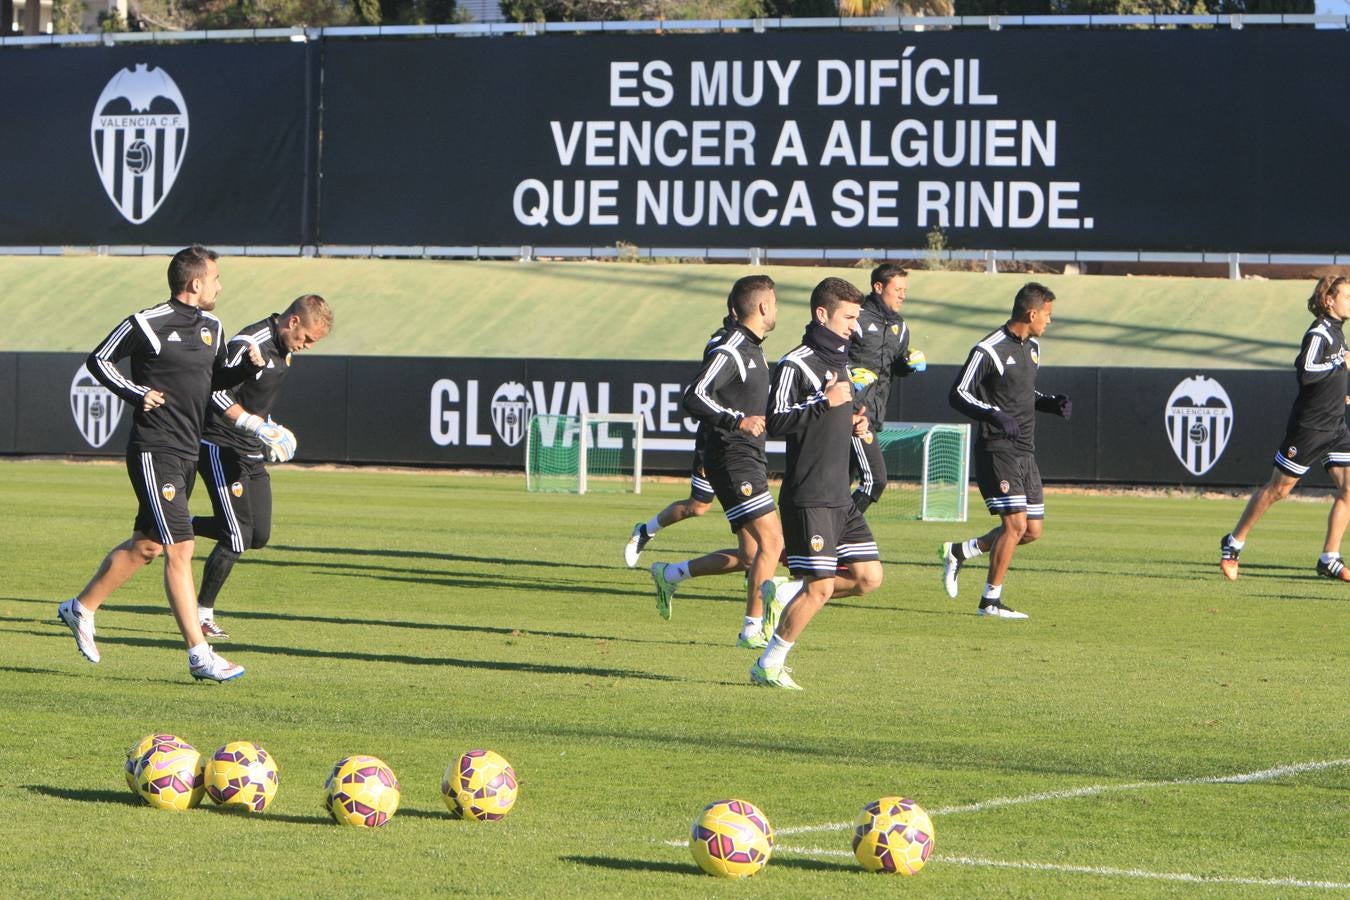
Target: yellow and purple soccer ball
point(242, 775)
point(731, 839)
point(893, 835)
point(144, 746)
point(361, 791)
point(480, 785)
point(170, 776)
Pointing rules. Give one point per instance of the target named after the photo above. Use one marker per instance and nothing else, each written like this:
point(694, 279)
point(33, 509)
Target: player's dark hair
point(1319, 304)
point(312, 310)
point(744, 296)
point(833, 293)
point(1031, 296)
point(187, 264)
point(883, 274)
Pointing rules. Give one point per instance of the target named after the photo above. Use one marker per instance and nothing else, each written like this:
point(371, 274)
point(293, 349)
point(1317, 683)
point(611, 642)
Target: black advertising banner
point(1142, 426)
point(1022, 139)
point(156, 144)
point(9, 395)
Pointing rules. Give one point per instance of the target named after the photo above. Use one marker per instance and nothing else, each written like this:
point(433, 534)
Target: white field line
point(1091, 870)
point(1091, 790)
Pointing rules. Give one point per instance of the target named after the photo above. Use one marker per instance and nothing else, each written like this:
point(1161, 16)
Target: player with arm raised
point(177, 357)
point(240, 436)
point(1316, 428)
point(811, 404)
point(997, 388)
point(878, 352)
point(728, 397)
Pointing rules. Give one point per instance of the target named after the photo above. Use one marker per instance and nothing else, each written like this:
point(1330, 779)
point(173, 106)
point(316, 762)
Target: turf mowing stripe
point(1090, 790)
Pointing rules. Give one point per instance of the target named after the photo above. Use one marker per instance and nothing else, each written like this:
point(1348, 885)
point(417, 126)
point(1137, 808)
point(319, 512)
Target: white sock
point(81, 611)
point(992, 592)
point(1326, 558)
point(1235, 543)
point(206, 613)
point(199, 654)
point(788, 592)
point(653, 526)
point(971, 548)
point(677, 572)
point(751, 626)
point(776, 653)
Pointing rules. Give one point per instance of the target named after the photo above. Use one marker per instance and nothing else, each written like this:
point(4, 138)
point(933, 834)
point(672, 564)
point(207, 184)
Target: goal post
point(927, 470)
point(589, 453)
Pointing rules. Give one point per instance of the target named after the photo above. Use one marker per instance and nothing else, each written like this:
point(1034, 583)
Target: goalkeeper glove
point(862, 378)
point(277, 440)
point(916, 361)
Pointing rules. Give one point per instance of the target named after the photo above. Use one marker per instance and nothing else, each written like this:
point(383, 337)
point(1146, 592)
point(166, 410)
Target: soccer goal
point(927, 470)
point(589, 453)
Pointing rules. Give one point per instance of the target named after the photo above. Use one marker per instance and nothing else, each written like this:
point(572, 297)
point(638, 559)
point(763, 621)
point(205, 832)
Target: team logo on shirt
point(288, 361)
point(817, 543)
point(1291, 452)
point(237, 489)
point(895, 329)
point(512, 407)
point(1035, 357)
point(1003, 487)
point(96, 409)
point(746, 489)
point(139, 135)
point(206, 336)
point(169, 491)
point(1199, 420)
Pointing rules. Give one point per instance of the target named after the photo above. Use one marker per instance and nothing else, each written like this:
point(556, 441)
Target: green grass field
point(633, 311)
point(1151, 730)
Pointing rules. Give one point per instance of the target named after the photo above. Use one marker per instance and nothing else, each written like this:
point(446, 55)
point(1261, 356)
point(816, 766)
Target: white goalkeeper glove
point(277, 439)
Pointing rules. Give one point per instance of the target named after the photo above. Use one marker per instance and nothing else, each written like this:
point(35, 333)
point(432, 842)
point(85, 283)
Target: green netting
point(553, 455)
point(937, 494)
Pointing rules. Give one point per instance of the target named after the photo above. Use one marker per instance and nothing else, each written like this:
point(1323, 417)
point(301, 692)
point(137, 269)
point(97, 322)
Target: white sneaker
point(213, 668)
point(80, 626)
point(636, 544)
point(998, 610)
point(951, 566)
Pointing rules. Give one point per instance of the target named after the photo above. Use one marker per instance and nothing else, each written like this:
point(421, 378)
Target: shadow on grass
point(484, 581)
point(283, 818)
point(125, 798)
point(427, 554)
point(816, 865)
point(634, 865)
point(504, 631)
point(311, 653)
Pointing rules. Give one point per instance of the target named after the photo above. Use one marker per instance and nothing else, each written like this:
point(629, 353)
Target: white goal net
point(590, 453)
point(927, 470)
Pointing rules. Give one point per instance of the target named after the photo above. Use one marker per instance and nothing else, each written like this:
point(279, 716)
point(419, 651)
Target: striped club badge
point(139, 135)
point(96, 409)
point(1199, 421)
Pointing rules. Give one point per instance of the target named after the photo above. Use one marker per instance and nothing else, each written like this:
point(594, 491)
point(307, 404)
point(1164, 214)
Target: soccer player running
point(177, 357)
point(997, 388)
point(728, 397)
point(232, 453)
point(1316, 428)
point(701, 493)
point(878, 352)
point(811, 404)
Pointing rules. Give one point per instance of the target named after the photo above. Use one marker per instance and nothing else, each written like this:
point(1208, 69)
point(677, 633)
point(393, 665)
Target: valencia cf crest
point(895, 329)
point(1003, 487)
point(237, 489)
point(1291, 452)
point(817, 543)
point(1035, 357)
point(288, 359)
point(169, 491)
point(96, 409)
point(512, 407)
point(746, 489)
point(139, 135)
point(206, 336)
point(1198, 420)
